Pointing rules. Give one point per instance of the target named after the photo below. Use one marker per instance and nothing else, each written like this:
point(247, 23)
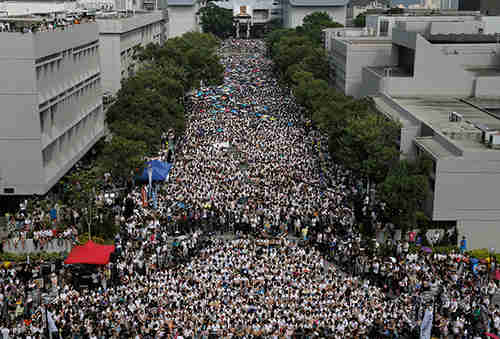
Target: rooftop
point(421, 12)
point(365, 41)
point(434, 111)
point(463, 39)
point(433, 146)
point(491, 105)
point(391, 112)
point(484, 71)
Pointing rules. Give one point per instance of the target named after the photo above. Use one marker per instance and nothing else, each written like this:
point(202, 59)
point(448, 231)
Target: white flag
point(426, 327)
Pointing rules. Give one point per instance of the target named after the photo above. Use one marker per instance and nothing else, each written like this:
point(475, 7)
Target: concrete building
point(118, 38)
point(294, 11)
point(182, 17)
point(462, 139)
point(441, 81)
point(357, 7)
point(51, 96)
point(351, 50)
point(252, 16)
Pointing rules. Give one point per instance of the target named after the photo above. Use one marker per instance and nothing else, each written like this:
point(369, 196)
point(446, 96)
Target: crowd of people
point(43, 25)
point(255, 236)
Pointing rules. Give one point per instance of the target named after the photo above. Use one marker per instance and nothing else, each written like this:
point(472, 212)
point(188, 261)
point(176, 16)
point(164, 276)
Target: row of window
point(55, 62)
point(69, 91)
point(60, 114)
point(67, 145)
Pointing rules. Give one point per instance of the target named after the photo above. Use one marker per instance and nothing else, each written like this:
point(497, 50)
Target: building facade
point(294, 11)
point(461, 139)
point(441, 82)
point(351, 50)
point(52, 100)
point(119, 37)
point(183, 17)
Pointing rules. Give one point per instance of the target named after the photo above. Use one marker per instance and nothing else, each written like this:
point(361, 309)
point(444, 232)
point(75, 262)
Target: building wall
point(491, 24)
point(373, 83)
point(467, 190)
point(360, 56)
point(374, 22)
point(119, 37)
point(52, 102)
point(111, 62)
point(295, 15)
point(182, 19)
point(479, 233)
point(447, 72)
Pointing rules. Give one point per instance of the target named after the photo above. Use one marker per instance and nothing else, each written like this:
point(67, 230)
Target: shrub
point(83, 238)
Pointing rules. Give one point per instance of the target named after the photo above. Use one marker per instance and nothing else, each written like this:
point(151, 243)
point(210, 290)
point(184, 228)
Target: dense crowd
point(251, 166)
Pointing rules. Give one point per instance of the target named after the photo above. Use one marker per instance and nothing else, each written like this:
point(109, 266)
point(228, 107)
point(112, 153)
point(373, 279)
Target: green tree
point(148, 104)
point(292, 50)
point(405, 190)
point(314, 23)
point(360, 20)
point(273, 39)
point(216, 20)
point(121, 156)
point(367, 145)
point(83, 187)
point(195, 53)
point(309, 90)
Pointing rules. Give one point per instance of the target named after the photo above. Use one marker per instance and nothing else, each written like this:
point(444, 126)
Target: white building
point(294, 11)
point(352, 49)
point(182, 17)
point(440, 78)
point(118, 38)
point(51, 98)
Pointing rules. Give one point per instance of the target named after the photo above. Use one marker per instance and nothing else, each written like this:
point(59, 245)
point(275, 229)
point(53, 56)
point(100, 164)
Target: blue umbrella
point(427, 249)
point(474, 261)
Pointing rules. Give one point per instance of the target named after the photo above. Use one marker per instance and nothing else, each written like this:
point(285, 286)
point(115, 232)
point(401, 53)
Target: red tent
point(90, 253)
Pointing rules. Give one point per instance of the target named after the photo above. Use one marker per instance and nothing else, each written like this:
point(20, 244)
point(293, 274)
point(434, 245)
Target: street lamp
point(150, 177)
point(492, 252)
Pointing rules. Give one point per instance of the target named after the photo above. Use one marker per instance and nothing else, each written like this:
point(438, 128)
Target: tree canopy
point(315, 22)
point(360, 20)
point(216, 20)
point(151, 101)
point(405, 190)
point(358, 137)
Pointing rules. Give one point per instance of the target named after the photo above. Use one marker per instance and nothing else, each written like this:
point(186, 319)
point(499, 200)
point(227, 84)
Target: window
point(384, 28)
point(9, 190)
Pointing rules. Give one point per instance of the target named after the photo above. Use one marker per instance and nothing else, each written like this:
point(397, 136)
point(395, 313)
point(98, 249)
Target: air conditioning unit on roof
point(494, 141)
point(455, 117)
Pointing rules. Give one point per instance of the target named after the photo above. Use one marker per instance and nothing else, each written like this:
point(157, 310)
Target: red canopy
point(90, 253)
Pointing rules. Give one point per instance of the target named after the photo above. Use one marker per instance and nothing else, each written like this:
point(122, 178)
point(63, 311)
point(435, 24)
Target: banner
point(426, 326)
point(144, 197)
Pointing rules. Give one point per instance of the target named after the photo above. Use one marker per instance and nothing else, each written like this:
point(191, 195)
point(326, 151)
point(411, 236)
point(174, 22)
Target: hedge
point(34, 257)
